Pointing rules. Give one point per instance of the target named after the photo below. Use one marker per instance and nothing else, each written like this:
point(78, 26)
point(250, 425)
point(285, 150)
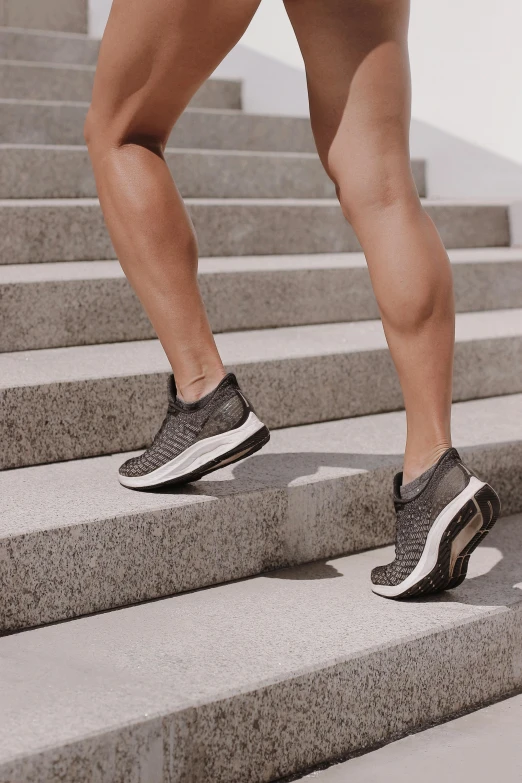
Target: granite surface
point(58, 122)
point(60, 171)
point(260, 678)
point(65, 15)
point(480, 746)
point(45, 81)
point(72, 540)
point(58, 82)
point(90, 302)
point(39, 46)
point(35, 230)
point(66, 172)
point(68, 403)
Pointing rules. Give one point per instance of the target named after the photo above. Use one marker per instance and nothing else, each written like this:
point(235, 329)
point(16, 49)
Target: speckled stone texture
point(257, 679)
point(67, 403)
point(73, 230)
point(66, 172)
point(57, 82)
point(45, 81)
point(65, 15)
point(33, 122)
point(82, 303)
point(41, 46)
point(73, 541)
point(479, 746)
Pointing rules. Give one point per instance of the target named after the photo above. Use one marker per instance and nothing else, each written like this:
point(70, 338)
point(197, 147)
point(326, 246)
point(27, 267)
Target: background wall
point(466, 66)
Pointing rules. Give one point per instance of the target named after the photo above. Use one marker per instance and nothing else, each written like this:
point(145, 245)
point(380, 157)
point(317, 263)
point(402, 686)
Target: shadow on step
point(280, 470)
point(495, 573)
point(307, 572)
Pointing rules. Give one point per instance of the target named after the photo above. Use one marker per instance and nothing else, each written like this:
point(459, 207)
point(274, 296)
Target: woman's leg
point(154, 56)
point(357, 68)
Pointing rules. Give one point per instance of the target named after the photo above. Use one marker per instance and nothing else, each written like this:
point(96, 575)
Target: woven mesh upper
point(186, 423)
point(416, 516)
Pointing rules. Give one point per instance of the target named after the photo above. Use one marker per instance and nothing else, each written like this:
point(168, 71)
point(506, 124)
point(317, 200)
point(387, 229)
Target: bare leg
point(153, 58)
point(357, 67)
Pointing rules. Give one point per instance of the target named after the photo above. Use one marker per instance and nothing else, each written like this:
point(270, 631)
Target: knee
point(96, 130)
point(366, 192)
point(89, 127)
point(373, 174)
point(109, 129)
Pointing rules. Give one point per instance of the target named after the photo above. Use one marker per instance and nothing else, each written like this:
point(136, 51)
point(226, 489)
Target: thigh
point(155, 54)
point(356, 58)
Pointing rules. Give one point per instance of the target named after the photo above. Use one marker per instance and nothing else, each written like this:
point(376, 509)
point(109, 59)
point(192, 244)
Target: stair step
point(68, 403)
point(471, 747)
point(61, 122)
point(56, 82)
point(46, 46)
point(66, 15)
point(80, 542)
point(59, 171)
point(90, 302)
point(260, 678)
point(73, 229)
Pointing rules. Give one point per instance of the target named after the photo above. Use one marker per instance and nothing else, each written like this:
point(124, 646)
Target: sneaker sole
point(205, 456)
point(454, 536)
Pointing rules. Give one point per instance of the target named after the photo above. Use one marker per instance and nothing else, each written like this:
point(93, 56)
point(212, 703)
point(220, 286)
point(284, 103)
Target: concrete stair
point(69, 403)
point(47, 46)
point(258, 679)
point(28, 80)
point(61, 122)
point(35, 230)
point(55, 305)
point(469, 746)
point(69, 16)
point(315, 491)
point(45, 171)
point(272, 675)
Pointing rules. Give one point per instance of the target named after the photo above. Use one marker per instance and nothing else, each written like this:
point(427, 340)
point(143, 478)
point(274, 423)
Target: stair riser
point(31, 47)
point(76, 232)
point(55, 83)
point(48, 315)
point(54, 173)
point(62, 123)
point(294, 724)
point(71, 420)
point(68, 567)
point(70, 16)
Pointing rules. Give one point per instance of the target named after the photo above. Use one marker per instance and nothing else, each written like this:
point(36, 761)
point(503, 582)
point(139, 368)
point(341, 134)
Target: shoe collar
point(450, 453)
point(177, 404)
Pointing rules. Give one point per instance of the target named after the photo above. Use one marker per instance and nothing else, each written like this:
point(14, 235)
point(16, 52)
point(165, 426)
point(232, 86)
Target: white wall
point(467, 70)
point(98, 13)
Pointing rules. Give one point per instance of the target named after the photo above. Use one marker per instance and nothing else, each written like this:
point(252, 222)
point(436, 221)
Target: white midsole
point(430, 553)
point(196, 456)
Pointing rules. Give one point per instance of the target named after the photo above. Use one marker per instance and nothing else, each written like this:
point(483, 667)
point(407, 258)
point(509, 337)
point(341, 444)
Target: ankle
point(415, 464)
point(199, 386)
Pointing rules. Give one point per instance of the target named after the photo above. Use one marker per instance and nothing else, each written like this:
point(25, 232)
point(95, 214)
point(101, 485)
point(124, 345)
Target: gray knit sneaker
point(197, 438)
point(437, 530)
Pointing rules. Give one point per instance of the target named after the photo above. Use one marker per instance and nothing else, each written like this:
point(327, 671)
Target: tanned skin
point(154, 56)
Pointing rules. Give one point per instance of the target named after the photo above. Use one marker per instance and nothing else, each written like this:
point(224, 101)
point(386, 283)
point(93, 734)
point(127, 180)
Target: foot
point(197, 438)
point(437, 530)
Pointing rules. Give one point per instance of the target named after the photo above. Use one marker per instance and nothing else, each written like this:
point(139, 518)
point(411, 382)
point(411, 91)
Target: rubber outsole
point(239, 452)
point(479, 513)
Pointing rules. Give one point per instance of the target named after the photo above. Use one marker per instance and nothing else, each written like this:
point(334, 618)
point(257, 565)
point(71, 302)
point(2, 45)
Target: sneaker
point(197, 438)
point(437, 530)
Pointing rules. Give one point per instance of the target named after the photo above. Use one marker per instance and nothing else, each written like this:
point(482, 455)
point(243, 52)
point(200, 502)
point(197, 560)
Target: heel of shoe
point(487, 503)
